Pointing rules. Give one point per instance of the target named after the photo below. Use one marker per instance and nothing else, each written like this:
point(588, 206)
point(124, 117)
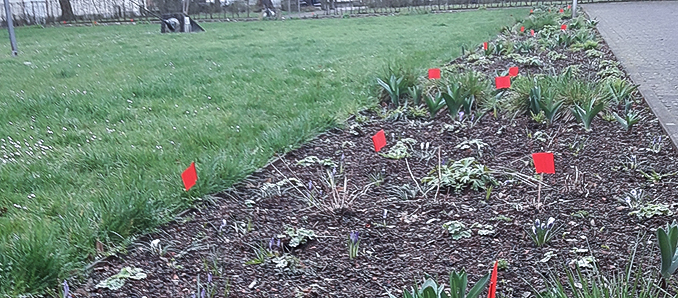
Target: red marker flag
point(485, 45)
point(434, 73)
point(189, 176)
point(563, 27)
point(532, 32)
point(513, 71)
point(531, 11)
point(522, 29)
point(568, 7)
point(379, 140)
point(493, 282)
point(561, 10)
point(502, 82)
point(543, 162)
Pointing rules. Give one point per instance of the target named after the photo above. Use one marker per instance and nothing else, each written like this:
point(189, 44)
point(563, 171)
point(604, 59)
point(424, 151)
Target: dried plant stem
point(413, 179)
point(440, 177)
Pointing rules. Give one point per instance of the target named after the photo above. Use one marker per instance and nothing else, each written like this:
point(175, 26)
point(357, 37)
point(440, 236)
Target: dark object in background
point(178, 22)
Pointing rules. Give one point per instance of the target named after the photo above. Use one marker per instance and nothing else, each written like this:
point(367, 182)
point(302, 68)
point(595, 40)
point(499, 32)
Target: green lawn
point(97, 123)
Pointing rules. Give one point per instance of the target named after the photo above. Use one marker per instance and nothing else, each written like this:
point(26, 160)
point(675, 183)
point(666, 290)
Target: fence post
point(574, 9)
point(10, 28)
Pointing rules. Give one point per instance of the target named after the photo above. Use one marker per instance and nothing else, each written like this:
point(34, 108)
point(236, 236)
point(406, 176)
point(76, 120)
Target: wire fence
point(30, 12)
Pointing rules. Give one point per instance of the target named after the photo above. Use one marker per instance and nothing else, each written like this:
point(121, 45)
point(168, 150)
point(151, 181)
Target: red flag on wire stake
point(434, 73)
point(543, 162)
point(561, 10)
point(189, 176)
point(379, 140)
point(532, 32)
point(513, 71)
point(563, 27)
point(502, 82)
point(522, 29)
point(493, 282)
point(485, 45)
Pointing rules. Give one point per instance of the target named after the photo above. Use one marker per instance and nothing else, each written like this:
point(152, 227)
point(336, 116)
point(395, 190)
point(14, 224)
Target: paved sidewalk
point(644, 37)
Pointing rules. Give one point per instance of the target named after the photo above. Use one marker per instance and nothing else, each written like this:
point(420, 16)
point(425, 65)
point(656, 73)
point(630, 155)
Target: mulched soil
point(583, 195)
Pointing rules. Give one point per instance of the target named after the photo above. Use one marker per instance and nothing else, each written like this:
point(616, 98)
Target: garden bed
point(400, 218)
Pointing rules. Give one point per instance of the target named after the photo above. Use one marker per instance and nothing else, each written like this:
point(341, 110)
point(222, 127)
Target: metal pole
point(574, 9)
point(10, 28)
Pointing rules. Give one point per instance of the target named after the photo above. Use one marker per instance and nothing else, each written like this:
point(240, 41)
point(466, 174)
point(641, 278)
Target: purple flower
point(334, 171)
point(278, 244)
point(67, 290)
point(209, 277)
point(472, 116)
point(310, 184)
point(270, 243)
point(461, 115)
point(342, 157)
point(355, 237)
point(385, 212)
point(202, 294)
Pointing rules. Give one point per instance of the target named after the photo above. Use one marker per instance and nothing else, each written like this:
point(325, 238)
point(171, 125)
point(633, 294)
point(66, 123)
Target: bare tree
point(66, 10)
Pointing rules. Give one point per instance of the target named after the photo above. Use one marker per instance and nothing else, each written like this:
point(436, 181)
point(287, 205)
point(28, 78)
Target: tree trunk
point(66, 10)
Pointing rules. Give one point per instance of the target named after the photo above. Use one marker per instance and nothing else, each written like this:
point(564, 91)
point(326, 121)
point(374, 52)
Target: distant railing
point(29, 12)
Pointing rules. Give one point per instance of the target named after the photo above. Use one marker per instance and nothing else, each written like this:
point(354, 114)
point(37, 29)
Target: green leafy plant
point(454, 98)
point(415, 93)
point(458, 285)
point(460, 174)
point(667, 238)
point(619, 91)
point(588, 111)
point(542, 232)
point(434, 104)
point(298, 236)
point(597, 284)
point(392, 88)
point(544, 102)
point(651, 210)
point(400, 150)
point(553, 55)
point(630, 119)
point(457, 230)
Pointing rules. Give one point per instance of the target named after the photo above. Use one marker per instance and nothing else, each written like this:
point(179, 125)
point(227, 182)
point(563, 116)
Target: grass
point(97, 123)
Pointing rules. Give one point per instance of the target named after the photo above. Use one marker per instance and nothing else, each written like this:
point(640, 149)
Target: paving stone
point(644, 38)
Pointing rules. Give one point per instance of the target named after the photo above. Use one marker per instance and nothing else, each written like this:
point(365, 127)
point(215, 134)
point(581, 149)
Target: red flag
point(434, 73)
point(532, 32)
point(513, 71)
point(485, 45)
point(561, 10)
point(531, 11)
point(563, 27)
point(379, 140)
point(502, 82)
point(493, 282)
point(568, 7)
point(189, 176)
point(522, 29)
point(543, 162)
